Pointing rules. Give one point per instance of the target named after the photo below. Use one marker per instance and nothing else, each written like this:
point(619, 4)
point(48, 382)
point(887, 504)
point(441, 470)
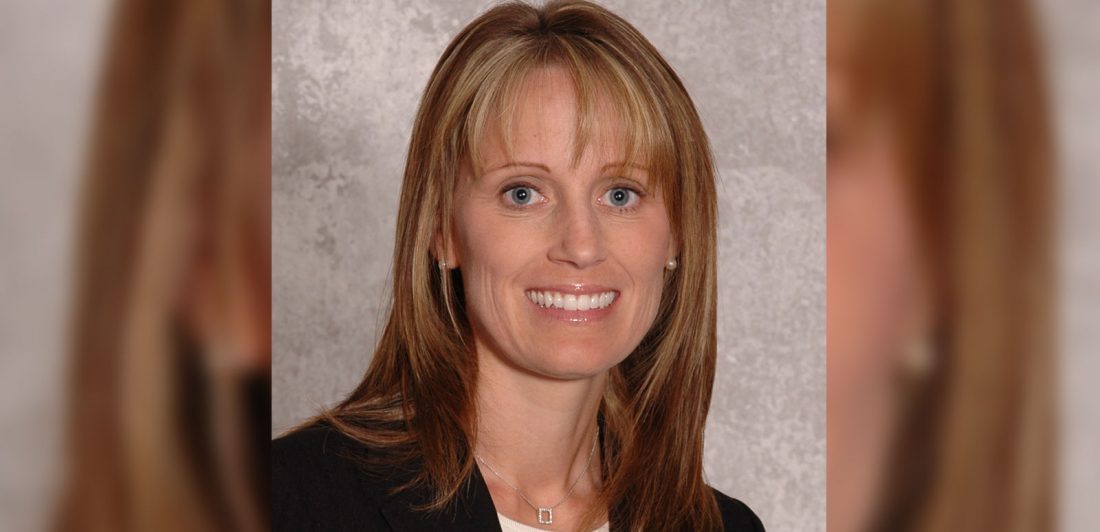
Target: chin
point(574, 362)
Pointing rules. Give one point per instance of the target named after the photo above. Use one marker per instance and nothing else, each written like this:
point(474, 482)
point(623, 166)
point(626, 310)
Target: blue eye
point(521, 195)
point(620, 197)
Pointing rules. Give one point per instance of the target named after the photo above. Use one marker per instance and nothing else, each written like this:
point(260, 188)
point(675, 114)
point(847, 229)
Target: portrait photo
point(547, 259)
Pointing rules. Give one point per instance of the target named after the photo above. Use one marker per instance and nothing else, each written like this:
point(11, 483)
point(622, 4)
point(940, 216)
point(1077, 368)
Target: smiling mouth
point(558, 300)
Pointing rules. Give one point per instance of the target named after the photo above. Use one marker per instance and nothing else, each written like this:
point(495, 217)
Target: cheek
point(871, 258)
point(872, 274)
point(491, 253)
point(643, 251)
point(487, 245)
point(486, 252)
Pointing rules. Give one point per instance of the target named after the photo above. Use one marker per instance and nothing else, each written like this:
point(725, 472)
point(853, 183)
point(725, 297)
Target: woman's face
point(562, 265)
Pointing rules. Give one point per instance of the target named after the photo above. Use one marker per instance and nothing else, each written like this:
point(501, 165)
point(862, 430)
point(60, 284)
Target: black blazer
point(317, 485)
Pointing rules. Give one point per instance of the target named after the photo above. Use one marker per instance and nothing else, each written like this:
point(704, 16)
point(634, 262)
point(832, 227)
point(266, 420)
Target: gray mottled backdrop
point(347, 76)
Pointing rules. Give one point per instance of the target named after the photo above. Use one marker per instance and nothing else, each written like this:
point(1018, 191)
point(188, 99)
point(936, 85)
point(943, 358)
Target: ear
point(224, 317)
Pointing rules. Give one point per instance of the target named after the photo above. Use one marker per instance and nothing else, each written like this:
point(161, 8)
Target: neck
point(536, 432)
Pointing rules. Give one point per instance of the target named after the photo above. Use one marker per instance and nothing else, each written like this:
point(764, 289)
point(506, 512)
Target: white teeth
point(583, 302)
point(571, 301)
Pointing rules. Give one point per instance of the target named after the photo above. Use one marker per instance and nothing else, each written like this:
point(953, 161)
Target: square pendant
point(546, 516)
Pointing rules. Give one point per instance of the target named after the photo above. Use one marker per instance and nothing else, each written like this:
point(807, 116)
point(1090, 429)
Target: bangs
point(606, 84)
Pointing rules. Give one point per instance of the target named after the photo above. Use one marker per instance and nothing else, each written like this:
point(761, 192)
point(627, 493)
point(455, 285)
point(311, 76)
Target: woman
point(939, 260)
point(549, 353)
point(168, 412)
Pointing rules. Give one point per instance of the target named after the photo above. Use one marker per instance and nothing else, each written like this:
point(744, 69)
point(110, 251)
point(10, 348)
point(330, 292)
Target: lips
point(551, 299)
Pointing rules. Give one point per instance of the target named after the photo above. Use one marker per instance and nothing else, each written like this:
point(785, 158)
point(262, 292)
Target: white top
point(508, 525)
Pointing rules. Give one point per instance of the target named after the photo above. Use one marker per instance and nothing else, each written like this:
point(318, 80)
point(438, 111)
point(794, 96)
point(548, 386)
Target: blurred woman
point(939, 268)
point(168, 412)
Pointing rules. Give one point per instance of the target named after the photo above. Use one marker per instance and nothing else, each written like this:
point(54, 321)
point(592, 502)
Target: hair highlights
point(417, 399)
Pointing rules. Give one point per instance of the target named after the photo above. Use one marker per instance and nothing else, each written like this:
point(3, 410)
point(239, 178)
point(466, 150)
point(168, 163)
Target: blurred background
point(963, 254)
point(49, 61)
point(962, 265)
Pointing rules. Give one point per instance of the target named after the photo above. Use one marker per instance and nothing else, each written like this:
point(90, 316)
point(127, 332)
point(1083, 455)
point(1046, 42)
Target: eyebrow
point(543, 167)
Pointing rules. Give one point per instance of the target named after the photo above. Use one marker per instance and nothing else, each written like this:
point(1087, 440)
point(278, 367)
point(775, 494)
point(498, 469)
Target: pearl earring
point(919, 356)
point(442, 264)
point(671, 264)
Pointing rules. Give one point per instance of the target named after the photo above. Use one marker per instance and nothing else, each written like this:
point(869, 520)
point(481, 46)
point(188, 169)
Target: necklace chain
point(545, 514)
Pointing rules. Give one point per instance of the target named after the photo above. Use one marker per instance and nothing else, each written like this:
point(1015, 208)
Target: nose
point(579, 241)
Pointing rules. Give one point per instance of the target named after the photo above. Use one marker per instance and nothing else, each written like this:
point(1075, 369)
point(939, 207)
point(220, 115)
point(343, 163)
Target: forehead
point(545, 119)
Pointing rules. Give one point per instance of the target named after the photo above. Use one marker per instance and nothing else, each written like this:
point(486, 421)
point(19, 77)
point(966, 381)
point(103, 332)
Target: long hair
point(158, 425)
point(416, 400)
point(962, 81)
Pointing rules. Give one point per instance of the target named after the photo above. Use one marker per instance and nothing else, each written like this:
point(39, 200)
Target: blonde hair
point(962, 83)
point(416, 399)
point(156, 430)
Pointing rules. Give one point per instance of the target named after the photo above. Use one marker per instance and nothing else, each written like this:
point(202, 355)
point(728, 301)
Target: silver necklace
point(545, 514)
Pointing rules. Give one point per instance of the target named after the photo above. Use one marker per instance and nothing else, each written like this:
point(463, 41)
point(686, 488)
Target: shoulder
point(317, 450)
point(318, 482)
point(301, 443)
point(736, 515)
